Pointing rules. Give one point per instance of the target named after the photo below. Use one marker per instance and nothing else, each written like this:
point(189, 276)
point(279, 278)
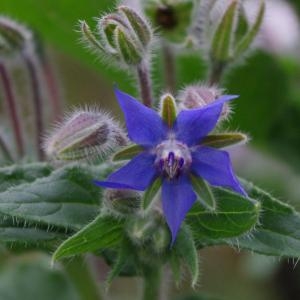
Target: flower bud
point(14, 37)
point(84, 135)
point(124, 36)
point(197, 96)
point(161, 239)
point(224, 31)
point(122, 202)
point(141, 229)
point(172, 17)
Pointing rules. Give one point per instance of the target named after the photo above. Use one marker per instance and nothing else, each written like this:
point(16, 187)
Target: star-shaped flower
point(173, 150)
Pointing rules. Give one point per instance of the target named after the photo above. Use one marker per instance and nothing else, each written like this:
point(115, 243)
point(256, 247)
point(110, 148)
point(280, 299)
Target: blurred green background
point(268, 109)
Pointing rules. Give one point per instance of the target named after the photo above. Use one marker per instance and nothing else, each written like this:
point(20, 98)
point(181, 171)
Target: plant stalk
point(144, 80)
point(12, 109)
point(5, 150)
point(152, 281)
point(79, 273)
point(169, 67)
point(217, 71)
point(37, 101)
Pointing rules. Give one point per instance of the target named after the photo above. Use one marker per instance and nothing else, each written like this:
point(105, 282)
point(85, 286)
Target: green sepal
point(150, 193)
point(123, 257)
point(109, 33)
point(204, 193)
point(223, 140)
point(248, 38)
point(168, 110)
point(222, 40)
point(140, 27)
point(102, 233)
point(88, 36)
point(185, 249)
point(127, 153)
point(128, 50)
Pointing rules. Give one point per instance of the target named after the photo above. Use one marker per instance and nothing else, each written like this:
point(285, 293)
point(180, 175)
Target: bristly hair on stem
point(144, 80)
point(12, 108)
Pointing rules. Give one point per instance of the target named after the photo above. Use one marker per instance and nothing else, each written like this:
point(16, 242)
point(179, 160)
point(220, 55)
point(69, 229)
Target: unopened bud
point(161, 239)
point(172, 17)
point(197, 96)
point(124, 36)
point(122, 202)
point(14, 37)
point(84, 135)
point(141, 229)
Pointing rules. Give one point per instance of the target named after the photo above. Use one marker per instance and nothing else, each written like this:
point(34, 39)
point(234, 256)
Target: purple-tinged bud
point(14, 37)
point(84, 135)
point(197, 96)
point(122, 202)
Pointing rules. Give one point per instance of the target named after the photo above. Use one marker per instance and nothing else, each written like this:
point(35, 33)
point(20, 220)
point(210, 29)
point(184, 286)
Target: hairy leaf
point(104, 232)
point(66, 198)
point(234, 216)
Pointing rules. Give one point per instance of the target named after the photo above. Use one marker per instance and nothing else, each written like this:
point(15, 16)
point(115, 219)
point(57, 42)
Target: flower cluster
point(172, 148)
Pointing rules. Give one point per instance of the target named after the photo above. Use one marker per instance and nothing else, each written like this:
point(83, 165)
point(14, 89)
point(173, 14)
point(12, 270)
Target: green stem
point(217, 71)
point(80, 275)
point(152, 279)
point(169, 66)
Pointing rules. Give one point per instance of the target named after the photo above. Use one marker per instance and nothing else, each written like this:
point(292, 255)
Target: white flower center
point(172, 157)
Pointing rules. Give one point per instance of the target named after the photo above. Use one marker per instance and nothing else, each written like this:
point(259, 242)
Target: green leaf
point(17, 174)
point(204, 193)
point(104, 232)
point(185, 248)
point(234, 216)
point(168, 112)
point(223, 140)
point(221, 44)
point(32, 278)
point(67, 198)
point(128, 152)
point(150, 193)
point(17, 230)
point(245, 43)
point(278, 230)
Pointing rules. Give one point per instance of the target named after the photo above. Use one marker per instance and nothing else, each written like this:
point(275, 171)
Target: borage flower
point(171, 149)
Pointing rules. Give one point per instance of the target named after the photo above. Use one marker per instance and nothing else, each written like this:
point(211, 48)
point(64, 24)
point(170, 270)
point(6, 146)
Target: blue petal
point(177, 199)
point(194, 124)
point(215, 166)
point(145, 127)
point(136, 175)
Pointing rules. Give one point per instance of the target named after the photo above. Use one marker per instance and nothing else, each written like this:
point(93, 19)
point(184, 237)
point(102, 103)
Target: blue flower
point(174, 153)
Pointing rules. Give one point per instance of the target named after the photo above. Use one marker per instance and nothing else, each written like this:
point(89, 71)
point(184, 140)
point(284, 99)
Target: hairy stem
point(37, 100)
point(5, 150)
point(144, 83)
point(169, 67)
point(12, 108)
point(53, 89)
point(216, 73)
point(152, 279)
point(80, 275)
